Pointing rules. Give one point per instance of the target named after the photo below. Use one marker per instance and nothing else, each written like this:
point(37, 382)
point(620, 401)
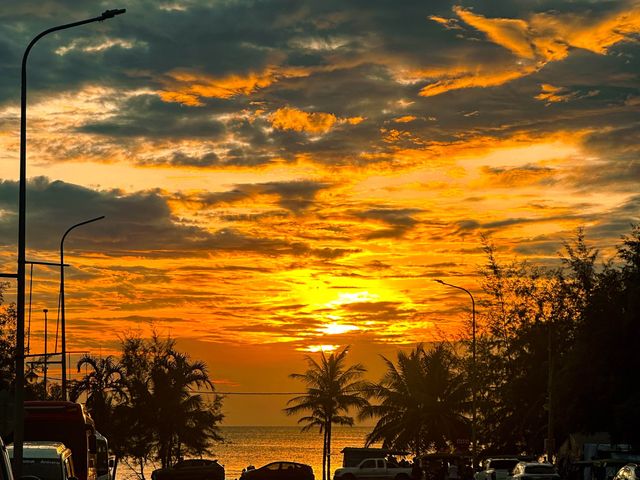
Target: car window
point(369, 464)
point(540, 469)
point(504, 464)
point(273, 466)
point(43, 468)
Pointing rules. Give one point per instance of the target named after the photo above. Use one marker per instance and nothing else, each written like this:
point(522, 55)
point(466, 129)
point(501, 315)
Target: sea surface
point(258, 446)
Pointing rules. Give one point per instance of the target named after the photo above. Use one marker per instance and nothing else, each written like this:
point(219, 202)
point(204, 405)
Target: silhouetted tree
point(165, 417)
point(333, 388)
point(184, 425)
point(598, 382)
point(528, 323)
point(7, 341)
point(423, 401)
point(105, 389)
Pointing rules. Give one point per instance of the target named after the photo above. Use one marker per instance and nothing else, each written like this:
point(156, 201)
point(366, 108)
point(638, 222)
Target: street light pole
point(22, 240)
point(473, 376)
point(63, 325)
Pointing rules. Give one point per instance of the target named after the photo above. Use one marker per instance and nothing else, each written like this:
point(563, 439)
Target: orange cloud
point(541, 39)
point(593, 35)
point(547, 37)
point(480, 78)
point(354, 120)
point(292, 119)
point(507, 32)
point(553, 94)
point(405, 119)
point(287, 118)
point(189, 88)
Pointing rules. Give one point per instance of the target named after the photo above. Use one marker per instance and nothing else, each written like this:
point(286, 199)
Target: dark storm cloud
point(294, 196)
point(181, 159)
point(617, 222)
point(147, 116)
point(400, 220)
point(139, 222)
point(468, 225)
point(350, 56)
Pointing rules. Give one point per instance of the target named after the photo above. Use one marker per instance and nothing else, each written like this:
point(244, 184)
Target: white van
point(46, 460)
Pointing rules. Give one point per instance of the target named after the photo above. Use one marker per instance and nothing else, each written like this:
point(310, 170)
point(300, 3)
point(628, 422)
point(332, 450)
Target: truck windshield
point(503, 464)
point(540, 469)
point(43, 468)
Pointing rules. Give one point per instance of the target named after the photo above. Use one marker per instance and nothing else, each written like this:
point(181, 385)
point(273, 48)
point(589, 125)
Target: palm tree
point(106, 391)
point(423, 400)
point(184, 420)
point(332, 390)
point(103, 384)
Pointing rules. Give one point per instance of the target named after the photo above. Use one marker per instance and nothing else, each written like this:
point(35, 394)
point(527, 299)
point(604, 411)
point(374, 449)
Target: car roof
point(286, 461)
point(41, 449)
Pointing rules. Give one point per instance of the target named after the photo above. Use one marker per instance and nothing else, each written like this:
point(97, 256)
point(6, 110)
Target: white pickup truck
point(373, 468)
point(497, 468)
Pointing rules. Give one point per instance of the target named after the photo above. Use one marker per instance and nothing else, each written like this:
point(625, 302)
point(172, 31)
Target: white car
point(498, 468)
point(631, 471)
point(534, 471)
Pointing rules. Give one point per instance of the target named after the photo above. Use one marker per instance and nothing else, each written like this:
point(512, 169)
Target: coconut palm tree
point(423, 400)
point(184, 420)
point(103, 385)
point(332, 390)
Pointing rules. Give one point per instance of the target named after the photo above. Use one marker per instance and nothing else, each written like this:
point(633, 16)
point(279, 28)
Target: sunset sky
point(283, 176)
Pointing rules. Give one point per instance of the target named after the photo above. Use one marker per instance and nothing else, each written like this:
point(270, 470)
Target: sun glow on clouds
point(337, 328)
point(536, 41)
point(259, 256)
point(288, 118)
point(319, 348)
point(98, 46)
point(189, 88)
point(347, 298)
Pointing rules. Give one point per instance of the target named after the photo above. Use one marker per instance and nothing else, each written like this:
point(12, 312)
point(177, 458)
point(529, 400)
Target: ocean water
point(258, 446)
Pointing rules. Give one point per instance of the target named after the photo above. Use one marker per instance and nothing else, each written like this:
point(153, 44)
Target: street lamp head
point(112, 13)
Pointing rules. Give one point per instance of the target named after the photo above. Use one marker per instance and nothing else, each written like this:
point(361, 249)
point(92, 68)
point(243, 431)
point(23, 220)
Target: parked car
point(631, 471)
point(498, 468)
point(378, 468)
point(46, 460)
point(279, 471)
point(191, 469)
point(534, 471)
